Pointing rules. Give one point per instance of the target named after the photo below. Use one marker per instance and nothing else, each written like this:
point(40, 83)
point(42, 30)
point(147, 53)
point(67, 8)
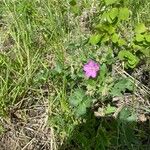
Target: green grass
point(38, 37)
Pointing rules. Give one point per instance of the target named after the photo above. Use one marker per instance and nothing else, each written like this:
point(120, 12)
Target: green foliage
point(120, 86)
point(95, 39)
point(113, 13)
point(110, 109)
point(147, 37)
point(140, 28)
point(139, 37)
point(41, 77)
point(79, 101)
point(130, 60)
point(109, 2)
point(115, 38)
point(123, 13)
point(103, 73)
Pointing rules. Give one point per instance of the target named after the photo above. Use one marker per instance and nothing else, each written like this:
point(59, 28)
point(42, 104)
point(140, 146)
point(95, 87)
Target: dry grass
point(27, 128)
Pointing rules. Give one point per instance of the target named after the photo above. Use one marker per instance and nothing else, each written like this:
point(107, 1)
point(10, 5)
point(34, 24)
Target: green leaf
point(109, 2)
point(110, 109)
point(76, 98)
point(110, 29)
point(87, 101)
point(95, 39)
point(105, 17)
point(75, 9)
point(147, 37)
point(127, 115)
point(135, 46)
point(102, 73)
point(124, 114)
point(132, 118)
point(139, 37)
point(121, 42)
point(115, 38)
point(130, 59)
point(121, 86)
point(79, 102)
point(81, 110)
point(146, 52)
point(113, 13)
point(105, 28)
point(140, 28)
point(105, 38)
point(123, 13)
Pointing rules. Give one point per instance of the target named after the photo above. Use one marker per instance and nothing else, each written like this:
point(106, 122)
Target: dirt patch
point(27, 129)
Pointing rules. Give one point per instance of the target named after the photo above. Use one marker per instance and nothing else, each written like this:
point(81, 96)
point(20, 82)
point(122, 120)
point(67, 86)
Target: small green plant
point(79, 101)
point(130, 60)
point(110, 31)
point(120, 86)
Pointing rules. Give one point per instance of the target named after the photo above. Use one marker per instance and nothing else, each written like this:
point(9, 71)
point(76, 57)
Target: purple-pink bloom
point(91, 69)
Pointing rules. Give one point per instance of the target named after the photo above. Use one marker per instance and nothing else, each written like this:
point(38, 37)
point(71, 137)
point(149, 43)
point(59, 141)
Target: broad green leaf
point(79, 102)
point(105, 38)
point(106, 17)
point(110, 109)
point(87, 101)
point(95, 39)
point(121, 42)
point(109, 2)
point(135, 46)
point(75, 9)
point(140, 28)
point(108, 28)
point(76, 98)
point(121, 86)
point(127, 115)
point(139, 37)
point(113, 13)
point(123, 54)
point(81, 110)
point(123, 13)
point(102, 73)
point(115, 38)
point(130, 59)
point(124, 114)
point(103, 28)
point(146, 52)
point(147, 37)
point(132, 118)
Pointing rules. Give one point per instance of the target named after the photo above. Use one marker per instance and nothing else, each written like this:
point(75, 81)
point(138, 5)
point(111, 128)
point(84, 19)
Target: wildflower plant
point(108, 44)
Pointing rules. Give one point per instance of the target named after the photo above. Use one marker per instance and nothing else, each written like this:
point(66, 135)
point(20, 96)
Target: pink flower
point(91, 69)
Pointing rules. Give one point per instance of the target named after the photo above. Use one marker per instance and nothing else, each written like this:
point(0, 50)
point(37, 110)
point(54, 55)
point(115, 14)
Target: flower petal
point(91, 63)
point(93, 74)
point(87, 74)
point(96, 66)
point(86, 67)
point(91, 69)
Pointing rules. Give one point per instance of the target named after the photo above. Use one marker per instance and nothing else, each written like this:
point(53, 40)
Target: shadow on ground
point(108, 133)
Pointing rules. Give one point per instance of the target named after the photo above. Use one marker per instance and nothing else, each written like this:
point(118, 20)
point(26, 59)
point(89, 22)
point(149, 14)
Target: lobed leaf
point(110, 2)
point(123, 13)
point(140, 28)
